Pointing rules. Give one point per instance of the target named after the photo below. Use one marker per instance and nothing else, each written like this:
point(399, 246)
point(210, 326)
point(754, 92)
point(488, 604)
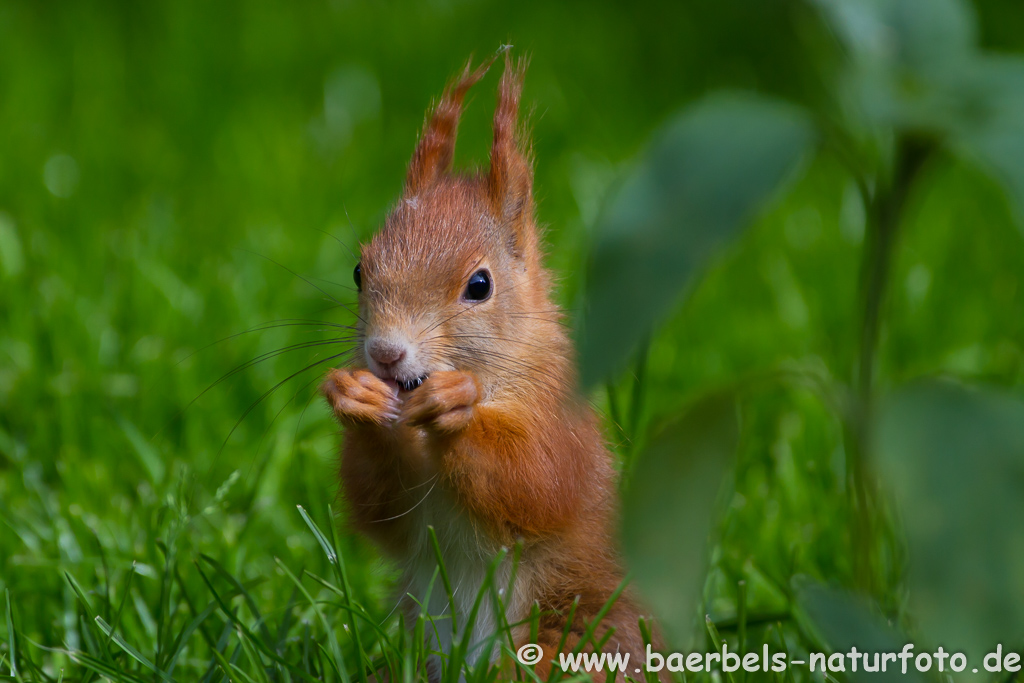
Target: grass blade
point(338, 562)
point(444, 577)
point(11, 640)
point(342, 572)
point(331, 638)
point(255, 658)
point(249, 601)
point(132, 652)
point(233, 618)
point(120, 608)
point(104, 669)
point(332, 556)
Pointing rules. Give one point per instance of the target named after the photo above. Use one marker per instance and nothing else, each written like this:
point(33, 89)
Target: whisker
point(528, 375)
point(418, 503)
point(336, 239)
point(490, 337)
point(266, 431)
point(263, 357)
point(274, 388)
point(309, 401)
point(508, 365)
point(270, 325)
point(306, 280)
point(332, 282)
point(529, 371)
point(406, 489)
point(534, 367)
point(469, 307)
point(334, 308)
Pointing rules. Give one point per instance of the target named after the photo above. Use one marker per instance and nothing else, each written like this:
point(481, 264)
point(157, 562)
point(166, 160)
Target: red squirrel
point(464, 414)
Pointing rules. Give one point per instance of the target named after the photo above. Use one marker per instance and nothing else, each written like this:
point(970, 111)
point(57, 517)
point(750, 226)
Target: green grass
point(157, 523)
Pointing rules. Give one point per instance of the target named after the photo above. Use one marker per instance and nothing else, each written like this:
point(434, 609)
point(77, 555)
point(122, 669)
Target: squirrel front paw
point(444, 403)
point(360, 396)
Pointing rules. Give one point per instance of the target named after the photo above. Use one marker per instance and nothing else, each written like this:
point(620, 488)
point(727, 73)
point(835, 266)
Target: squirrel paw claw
point(360, 396)
point(444, 403)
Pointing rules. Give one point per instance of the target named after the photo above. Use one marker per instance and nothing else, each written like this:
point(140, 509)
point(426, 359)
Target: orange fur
point(495, 447)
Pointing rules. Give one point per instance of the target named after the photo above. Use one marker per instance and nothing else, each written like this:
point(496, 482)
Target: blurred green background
point(176, 173)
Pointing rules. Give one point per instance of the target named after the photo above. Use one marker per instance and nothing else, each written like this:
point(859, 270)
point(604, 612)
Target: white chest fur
point(468, 556)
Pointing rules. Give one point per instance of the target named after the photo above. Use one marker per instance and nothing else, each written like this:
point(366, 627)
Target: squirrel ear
point(436, 148)
point(510, 181)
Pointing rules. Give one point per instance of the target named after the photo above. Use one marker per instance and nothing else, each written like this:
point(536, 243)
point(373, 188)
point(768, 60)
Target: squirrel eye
point(479, 286)
point(357, 275)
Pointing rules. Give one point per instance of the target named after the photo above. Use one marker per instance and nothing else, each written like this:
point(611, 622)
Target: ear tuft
point(510, 181)
point(436, 148)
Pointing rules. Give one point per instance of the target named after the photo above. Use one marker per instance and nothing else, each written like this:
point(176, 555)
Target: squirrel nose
point(385, 351)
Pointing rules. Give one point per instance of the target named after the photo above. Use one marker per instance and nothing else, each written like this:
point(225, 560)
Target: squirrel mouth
point(410, 384)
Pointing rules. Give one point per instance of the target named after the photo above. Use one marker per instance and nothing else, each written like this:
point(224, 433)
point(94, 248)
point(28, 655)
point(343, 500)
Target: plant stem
point(885, 211)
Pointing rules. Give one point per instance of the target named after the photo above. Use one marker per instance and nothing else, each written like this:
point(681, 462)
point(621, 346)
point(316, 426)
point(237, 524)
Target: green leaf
point(919, 34)
point(910, 62)
point(669, 510)
point(841, 622)
point(993, 137)
point(955, 458)
point(704, 176)
point(914, 66)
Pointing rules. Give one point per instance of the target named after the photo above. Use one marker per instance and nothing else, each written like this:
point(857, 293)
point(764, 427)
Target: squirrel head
point(454, 279)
